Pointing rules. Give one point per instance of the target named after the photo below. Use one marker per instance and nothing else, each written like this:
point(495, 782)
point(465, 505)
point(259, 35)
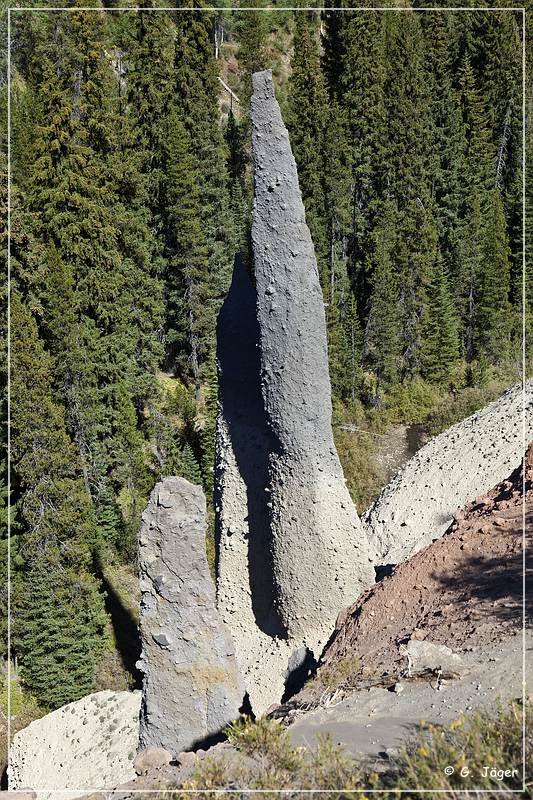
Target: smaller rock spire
point(191, 686)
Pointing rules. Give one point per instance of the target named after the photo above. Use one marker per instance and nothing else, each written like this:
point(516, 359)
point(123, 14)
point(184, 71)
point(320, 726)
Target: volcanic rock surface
point(321, 557)
point(191, 684)
point(455, 467)
point(246, 595)
point(462, 591)
point(290, 547)
point(89, 744)
point(245, 581)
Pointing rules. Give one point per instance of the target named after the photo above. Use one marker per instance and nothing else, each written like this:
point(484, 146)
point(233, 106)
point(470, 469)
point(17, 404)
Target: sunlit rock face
point(455, 467)
point(191, 684)
point(321, 558)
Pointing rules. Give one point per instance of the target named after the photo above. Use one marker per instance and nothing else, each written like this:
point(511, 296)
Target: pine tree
point(4, 499)
point(416, 260)
point(492, 320)
point(59, 627)
point(382, 335)
point(101, 300)
point(440, 341)
point(196, 85)
point(334, 48)
point(191, 467)
point(252, 30)
point(447, 146)
point(149, 75)
point(209, 430)
point(478, 179)
point(58, 610)
point(409, 125)
point(344, 345)
point(307, 117)
point(239, 188)
point(363, 82)
point(188, 313)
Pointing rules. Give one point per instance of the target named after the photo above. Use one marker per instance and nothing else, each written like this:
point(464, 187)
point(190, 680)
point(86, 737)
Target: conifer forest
point(130, 195)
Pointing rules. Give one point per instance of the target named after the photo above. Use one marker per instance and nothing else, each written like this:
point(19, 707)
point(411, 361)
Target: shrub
point(341, 673)
point(271, 761)
point(472, 746)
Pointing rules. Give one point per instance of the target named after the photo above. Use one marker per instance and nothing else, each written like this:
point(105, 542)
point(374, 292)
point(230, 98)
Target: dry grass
point(342, 674)
point(472, 746)
point(271, 762)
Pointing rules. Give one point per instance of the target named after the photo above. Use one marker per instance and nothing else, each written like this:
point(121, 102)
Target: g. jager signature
point(499, 774)
point(485, 771)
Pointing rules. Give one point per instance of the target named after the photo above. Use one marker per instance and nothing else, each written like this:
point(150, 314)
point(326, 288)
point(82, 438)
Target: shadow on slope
point(125, 629)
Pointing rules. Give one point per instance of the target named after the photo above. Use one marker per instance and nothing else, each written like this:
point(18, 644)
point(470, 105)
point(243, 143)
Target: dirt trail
point(370, 722)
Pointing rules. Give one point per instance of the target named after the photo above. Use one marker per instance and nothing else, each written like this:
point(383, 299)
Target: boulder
point(425, 656)
point(191, 684)
point(320, 554)
point(455, 467)
point(150, 759)
point(86, 745)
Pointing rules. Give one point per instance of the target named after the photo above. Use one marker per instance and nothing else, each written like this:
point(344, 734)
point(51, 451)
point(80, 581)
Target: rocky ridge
point(452, 469)
point(462, 591)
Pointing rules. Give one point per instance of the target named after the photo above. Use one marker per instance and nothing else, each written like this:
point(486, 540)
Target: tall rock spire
point(321, 556)
point(291, 552)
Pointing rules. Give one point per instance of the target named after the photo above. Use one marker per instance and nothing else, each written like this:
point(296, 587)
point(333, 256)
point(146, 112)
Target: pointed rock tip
point(262, 81)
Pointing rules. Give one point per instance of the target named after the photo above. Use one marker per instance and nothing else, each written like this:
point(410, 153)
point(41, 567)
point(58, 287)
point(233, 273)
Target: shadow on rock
point(251, 441)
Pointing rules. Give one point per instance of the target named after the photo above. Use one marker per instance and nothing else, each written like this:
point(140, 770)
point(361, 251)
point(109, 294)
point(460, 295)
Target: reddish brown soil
point(464, 590)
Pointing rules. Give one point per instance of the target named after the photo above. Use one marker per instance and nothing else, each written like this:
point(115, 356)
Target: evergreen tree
point(58, 610)
point(239, 189)
point(447, 145)
point(252, 29)
point(196, 85)
point(307, 118)
point(149, 76)
point(440, 348)
point(188, 312)
point(209, 430)
point(492, 321)
point(4, 499)
point(101, 299)
point(478, 179)
point(334, 47)
point(344, 345)
point(382, 335)
point(416, 260)
point(190, 466)
point(363, 82)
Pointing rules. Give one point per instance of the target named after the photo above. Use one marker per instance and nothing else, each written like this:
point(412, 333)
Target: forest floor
point(395, 447)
